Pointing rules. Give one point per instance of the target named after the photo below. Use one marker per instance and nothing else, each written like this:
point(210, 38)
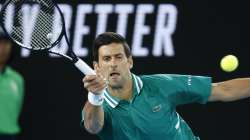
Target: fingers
point(89, 78)
point(94, 83)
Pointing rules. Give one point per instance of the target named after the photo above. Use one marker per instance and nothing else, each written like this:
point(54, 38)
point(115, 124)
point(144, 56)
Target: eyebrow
point(113, 55)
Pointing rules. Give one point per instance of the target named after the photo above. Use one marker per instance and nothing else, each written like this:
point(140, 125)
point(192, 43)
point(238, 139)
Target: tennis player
point(11, 92)
point(144, 107)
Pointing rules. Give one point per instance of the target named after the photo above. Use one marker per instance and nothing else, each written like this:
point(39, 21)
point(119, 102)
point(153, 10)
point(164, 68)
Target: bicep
point(192, 89)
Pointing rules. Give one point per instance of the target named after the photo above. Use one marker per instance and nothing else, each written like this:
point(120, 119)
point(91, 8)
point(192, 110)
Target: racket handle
point(84, 68)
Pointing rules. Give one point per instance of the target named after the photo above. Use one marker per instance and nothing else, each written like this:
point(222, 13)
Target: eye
point(106, 58)
point(119, 56)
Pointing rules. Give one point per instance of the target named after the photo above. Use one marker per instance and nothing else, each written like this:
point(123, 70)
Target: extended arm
point(93, 114)
point(230, 90)
point(93, 118)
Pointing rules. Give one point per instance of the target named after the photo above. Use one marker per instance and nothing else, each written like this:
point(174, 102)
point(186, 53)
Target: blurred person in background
point(11, 92)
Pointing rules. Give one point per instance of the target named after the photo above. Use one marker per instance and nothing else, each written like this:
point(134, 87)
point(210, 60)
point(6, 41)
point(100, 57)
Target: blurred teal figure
point(11, 92)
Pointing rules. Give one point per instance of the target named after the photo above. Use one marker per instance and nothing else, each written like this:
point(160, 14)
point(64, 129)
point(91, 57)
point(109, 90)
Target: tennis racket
point(45, 34)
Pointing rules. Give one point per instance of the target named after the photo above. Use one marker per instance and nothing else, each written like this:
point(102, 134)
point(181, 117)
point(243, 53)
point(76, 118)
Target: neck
point(124, 93)
point(1, 67)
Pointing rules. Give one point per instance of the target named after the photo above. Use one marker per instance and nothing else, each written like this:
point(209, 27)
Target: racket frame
point(72, 57)
point(80, 64)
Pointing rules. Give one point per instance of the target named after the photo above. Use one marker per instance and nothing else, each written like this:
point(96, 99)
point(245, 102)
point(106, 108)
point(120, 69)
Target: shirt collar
point(113, 101)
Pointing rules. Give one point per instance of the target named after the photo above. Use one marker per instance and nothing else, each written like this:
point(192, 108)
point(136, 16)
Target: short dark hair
point(12, 52)
point(106, 39)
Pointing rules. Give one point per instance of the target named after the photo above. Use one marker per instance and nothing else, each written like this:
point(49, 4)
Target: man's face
point(114, 65)
point(5, 49)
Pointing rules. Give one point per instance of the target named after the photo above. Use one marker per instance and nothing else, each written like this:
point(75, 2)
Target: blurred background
point(166, 36)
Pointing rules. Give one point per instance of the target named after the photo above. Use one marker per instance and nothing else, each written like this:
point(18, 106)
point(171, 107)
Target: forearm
point(93, 118)
point(234, 89)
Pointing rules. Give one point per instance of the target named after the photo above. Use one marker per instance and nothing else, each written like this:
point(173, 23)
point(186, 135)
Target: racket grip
point(84, 68)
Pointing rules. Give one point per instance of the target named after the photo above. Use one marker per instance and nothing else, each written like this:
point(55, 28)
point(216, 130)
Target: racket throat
point(73, 56)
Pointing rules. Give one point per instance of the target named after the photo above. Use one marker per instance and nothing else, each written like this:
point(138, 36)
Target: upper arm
point(197, 89)
point(184, 89)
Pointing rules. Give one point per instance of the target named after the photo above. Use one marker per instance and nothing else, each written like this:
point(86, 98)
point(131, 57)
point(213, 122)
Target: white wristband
point(95, 100)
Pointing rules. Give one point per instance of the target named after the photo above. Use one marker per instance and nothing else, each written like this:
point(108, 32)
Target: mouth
point(114, 74)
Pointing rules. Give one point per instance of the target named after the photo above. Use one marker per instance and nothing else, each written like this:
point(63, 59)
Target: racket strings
point(42, 31)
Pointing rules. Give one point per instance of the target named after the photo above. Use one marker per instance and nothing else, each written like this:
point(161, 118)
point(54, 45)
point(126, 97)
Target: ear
point(130, 61)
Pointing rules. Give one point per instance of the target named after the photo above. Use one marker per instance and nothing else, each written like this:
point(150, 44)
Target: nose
point(113, 63)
